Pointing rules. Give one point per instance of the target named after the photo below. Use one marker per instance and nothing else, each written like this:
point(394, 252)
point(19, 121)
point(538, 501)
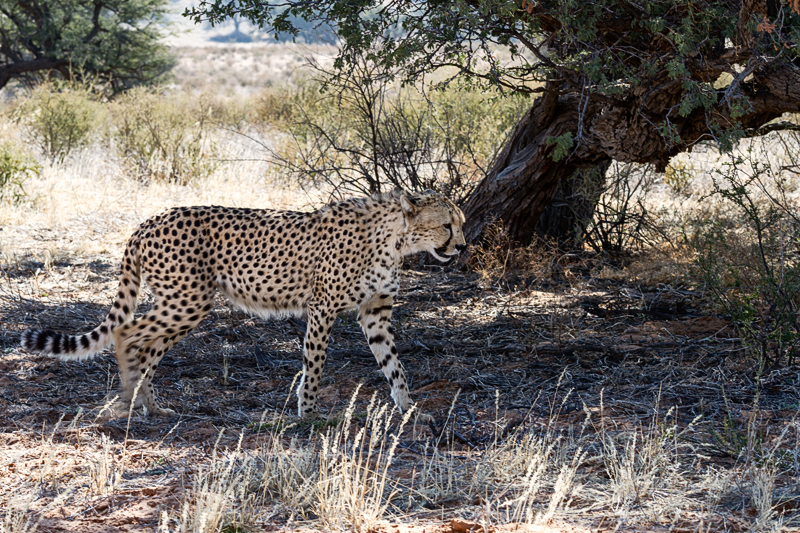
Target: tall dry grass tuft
point(212, 501)
point(497, 256)
point(18, 517)
point(342, 478)
point(103, 473)
point(354, 488)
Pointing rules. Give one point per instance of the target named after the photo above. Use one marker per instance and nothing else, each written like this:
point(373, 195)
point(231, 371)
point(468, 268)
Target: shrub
point(471, 123)
point(748, 258)
point(678, 177)
point(60, 118)
point(360, 133)
point(288, 106)
point(163, 137)
point(16, 166)
point(230, 113)
point(620, 219)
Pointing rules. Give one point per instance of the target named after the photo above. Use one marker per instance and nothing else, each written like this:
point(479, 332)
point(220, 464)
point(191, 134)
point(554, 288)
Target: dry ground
point(652, 402)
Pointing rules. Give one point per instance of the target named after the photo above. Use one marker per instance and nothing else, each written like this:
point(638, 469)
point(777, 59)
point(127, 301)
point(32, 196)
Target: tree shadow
point(27, 267)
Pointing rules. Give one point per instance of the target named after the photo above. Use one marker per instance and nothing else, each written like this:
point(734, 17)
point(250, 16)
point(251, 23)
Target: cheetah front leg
point(374, 318)
point(318, 331)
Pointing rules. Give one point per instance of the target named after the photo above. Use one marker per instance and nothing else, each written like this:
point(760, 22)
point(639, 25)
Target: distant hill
point(189, 34)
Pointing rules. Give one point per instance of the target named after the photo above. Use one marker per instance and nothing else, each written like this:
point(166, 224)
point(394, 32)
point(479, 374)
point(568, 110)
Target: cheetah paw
point(422, 418)
point(161, 411)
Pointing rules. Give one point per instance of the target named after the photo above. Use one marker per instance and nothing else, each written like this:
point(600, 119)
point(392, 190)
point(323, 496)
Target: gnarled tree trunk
point(628, 129)
point(524, 177)
point(571, 209)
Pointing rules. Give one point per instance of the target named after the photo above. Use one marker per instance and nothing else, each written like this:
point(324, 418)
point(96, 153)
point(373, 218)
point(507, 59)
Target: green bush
point(163, 137)
point(60, 118)
point(473, 123)
point(292, 108)
point(362, 133)
point(748, 257)
point(16, 166)
point(231, 113)
point(275, 106)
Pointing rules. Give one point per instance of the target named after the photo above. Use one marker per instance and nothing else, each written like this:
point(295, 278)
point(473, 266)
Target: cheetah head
point(434, 224)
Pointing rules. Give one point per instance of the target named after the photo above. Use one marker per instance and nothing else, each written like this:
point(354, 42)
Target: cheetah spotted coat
point(343, 256)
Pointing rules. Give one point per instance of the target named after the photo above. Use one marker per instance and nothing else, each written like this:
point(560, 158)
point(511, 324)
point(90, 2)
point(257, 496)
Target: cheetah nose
point(461, 247)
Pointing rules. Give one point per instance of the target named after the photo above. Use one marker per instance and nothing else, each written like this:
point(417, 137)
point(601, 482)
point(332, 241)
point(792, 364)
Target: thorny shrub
point(748, 260)
point(16, 166)
point(360, 133)
point(163, 137)
point(283, 107)
point(60, 117)
point(621, 220)
point(678, 177)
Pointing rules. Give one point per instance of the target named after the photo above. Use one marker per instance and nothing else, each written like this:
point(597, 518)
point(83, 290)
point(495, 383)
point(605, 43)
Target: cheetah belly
point(265, 300)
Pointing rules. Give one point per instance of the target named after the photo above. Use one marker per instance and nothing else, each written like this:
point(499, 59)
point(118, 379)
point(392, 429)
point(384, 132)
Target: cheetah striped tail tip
point(58, 344)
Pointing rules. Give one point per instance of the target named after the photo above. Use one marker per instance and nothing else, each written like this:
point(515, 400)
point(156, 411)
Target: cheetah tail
point(79, 347)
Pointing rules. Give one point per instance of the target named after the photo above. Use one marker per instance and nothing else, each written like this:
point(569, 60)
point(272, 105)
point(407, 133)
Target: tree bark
point(524, 178)
point(565, 219)
point(20, 68)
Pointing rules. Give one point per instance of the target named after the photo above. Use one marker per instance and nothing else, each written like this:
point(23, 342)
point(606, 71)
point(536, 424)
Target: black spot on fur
point(377, 339)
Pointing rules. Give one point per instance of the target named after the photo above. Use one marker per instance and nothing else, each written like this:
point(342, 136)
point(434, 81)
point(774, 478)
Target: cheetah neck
point(398, 229)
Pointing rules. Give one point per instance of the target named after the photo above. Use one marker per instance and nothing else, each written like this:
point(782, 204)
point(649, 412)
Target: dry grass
point(243, 69)
point(546, 416)
point(89, 206)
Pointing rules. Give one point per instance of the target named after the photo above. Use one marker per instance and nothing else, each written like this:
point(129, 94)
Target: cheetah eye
point(448, 227)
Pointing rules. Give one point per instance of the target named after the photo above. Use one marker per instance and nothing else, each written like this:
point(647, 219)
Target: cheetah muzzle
point(344, 256)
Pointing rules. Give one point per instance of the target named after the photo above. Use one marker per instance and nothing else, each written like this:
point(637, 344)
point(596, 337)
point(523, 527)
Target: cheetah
point(344, 256)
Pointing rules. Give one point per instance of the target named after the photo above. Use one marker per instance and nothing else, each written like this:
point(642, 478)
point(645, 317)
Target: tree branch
point(98, 7)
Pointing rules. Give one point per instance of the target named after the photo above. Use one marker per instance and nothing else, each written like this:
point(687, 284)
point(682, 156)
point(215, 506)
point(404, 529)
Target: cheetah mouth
point(443, 255)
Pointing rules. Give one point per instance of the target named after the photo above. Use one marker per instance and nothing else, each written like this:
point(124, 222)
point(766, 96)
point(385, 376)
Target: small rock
point(461, 526)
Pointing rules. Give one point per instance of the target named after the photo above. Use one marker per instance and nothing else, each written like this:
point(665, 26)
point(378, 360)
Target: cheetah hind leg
point(137, 383)
point(136, 368)
point(157, 350)
point(315, 346)
point(127, 339)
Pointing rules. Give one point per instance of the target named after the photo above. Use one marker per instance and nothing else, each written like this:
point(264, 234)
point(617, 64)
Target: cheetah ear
point(409, 204)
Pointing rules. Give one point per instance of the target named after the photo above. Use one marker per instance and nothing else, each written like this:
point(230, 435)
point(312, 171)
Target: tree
point(625, 80)
point(115, 40)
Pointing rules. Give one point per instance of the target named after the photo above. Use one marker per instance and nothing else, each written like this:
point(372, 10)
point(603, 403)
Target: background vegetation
point(615, 81)
point(119, 41)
